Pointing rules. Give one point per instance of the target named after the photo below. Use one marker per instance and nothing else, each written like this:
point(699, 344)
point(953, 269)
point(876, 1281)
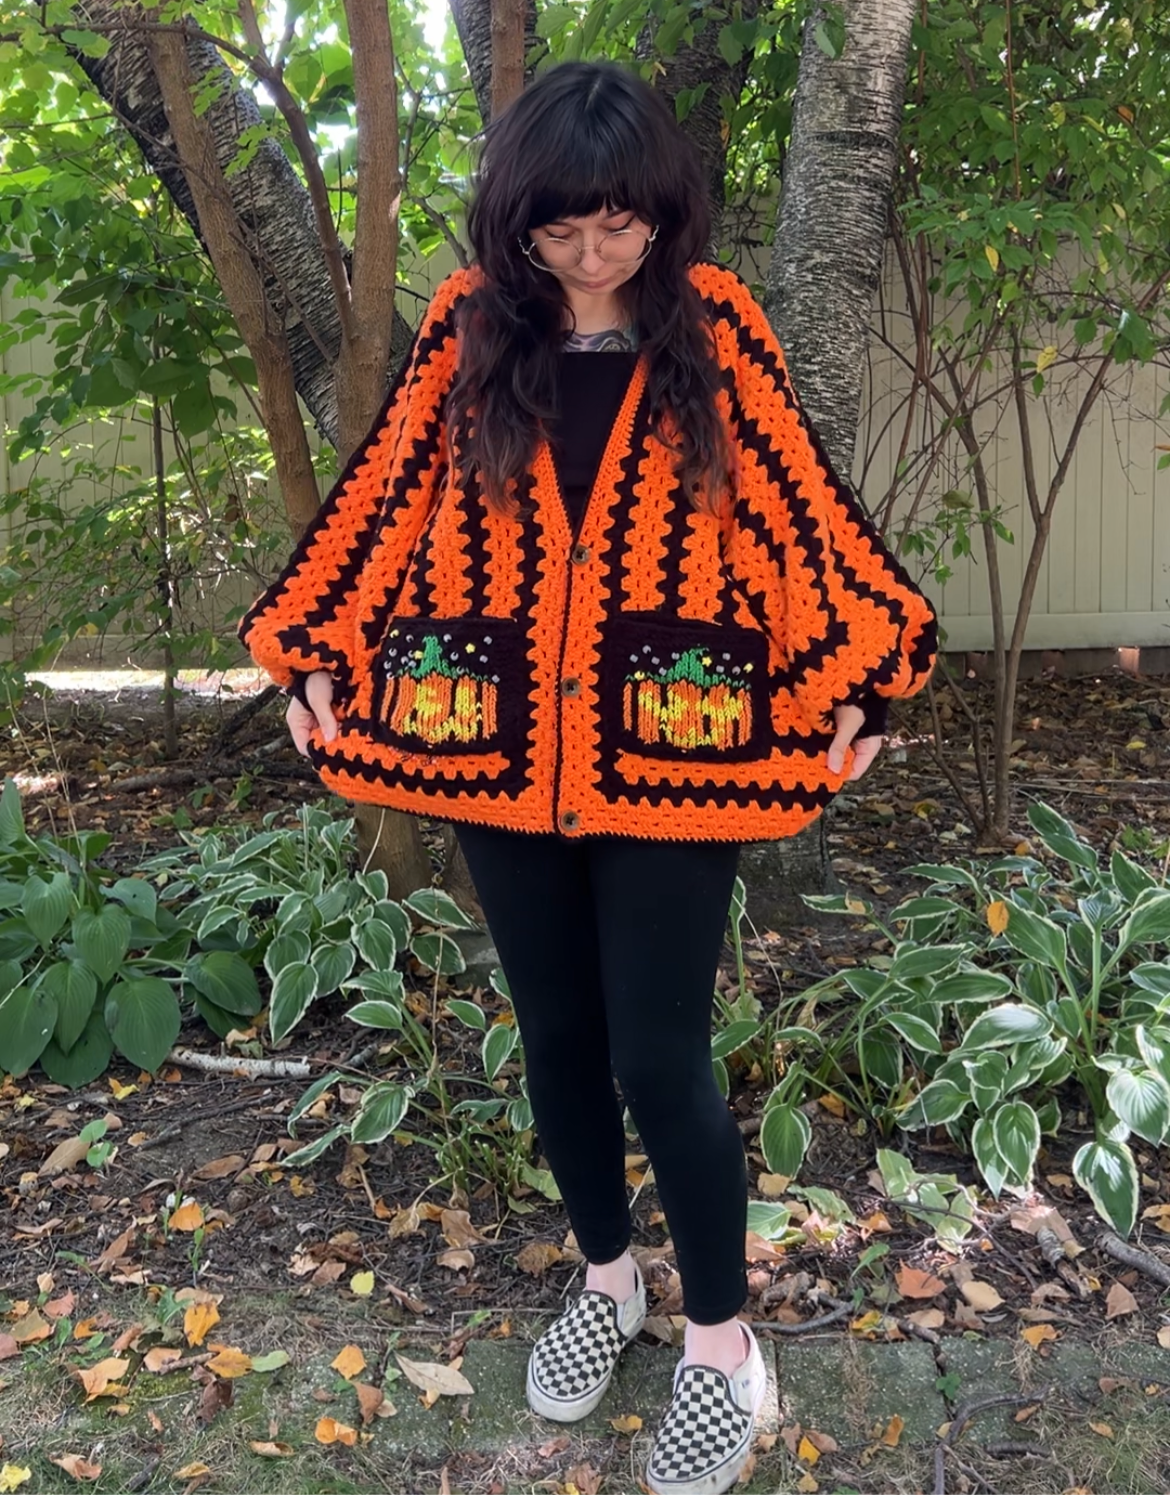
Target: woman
point(592, 591)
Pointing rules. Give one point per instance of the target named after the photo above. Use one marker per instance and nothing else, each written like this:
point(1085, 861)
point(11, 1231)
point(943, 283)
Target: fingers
point(837, 749)
point(319, 693)
point(864, 752)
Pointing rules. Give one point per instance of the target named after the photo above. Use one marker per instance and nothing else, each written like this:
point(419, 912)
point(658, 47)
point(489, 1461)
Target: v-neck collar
point(545, 465)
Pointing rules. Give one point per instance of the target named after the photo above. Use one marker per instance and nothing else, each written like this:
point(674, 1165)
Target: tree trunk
point(270, 256)
point(473, 22)
point(829, 244)
point(268, 196)
point(689, 68)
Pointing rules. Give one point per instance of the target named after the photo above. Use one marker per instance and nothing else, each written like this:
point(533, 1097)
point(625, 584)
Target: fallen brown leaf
point(64, 1157)
point(188, 1216)
point(161, 1359)
point(537, 1257)
point(457, 1260)
point(585, 1478)
point(77, 1467)
point(220, 1168)
point(980, 1295)
point(269, 1450)
point(915, 1283)
point(8, 1347)
point(429, 1376)
point(32, 1328)
point(370, 1399)
point(457, 1228)
point(1119, 1300)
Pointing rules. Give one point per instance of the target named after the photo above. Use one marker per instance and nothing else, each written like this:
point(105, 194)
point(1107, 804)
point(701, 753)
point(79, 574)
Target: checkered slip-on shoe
point(706, 1434)
point(573, 1360)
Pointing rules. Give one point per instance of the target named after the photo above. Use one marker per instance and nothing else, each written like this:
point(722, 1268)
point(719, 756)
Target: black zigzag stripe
point(420, 352)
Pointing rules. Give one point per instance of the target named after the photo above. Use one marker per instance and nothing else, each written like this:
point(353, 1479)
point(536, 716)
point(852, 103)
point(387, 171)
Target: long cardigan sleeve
point(305, 620)
point(855, 628)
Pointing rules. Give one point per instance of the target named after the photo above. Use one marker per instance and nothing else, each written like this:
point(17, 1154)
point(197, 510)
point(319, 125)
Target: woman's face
point(595, 275)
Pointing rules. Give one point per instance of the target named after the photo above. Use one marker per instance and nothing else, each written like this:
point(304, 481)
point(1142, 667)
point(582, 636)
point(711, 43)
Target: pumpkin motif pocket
point(442, 683)
point(681, 688)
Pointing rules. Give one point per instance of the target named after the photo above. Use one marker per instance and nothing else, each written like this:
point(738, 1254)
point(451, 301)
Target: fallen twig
point(1134, 1256)
point(963, 1415)
point(1008, 1448)
point(1052, 1250)
point(220, 1064)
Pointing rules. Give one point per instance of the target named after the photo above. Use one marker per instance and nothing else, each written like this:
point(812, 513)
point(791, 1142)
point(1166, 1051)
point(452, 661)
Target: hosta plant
point(1015, 986)
point(91, 964)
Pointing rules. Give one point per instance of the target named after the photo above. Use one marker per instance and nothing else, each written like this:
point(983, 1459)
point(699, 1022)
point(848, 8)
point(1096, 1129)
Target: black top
point(590, 391)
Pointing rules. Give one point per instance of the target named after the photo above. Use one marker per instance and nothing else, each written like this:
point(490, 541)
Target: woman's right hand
point(302, 719)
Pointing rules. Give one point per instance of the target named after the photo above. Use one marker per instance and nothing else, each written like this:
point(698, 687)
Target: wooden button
point(570, 820)
point(571, 686)
point(581, 554)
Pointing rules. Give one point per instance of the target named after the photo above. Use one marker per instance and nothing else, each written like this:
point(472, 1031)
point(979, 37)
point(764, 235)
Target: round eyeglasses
point(621, 246)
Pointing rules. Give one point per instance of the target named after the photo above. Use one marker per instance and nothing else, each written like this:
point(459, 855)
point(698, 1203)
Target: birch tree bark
point(829, 245)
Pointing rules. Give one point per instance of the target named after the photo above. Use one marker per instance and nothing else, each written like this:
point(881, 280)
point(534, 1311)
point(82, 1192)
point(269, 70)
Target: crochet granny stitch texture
point(662, 672)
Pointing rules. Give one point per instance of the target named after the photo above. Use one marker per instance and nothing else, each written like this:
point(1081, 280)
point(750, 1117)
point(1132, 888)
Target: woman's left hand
point(850, 720)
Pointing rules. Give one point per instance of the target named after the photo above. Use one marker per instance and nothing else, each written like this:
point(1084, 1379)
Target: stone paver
point(498, 1414)
point(845, 1387)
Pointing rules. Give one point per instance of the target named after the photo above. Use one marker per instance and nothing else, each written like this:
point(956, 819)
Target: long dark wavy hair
point(584, 136)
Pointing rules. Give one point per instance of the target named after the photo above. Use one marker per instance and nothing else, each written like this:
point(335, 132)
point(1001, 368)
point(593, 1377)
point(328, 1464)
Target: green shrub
point(1012, 983)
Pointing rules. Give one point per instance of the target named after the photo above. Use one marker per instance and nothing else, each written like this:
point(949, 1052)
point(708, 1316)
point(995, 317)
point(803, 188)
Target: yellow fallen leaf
point(72, 1463)
point(1102, 1428)
point(268, 1450)
point(120, 1093)
point(1036, 1334)
point(329, 1430)
point(191, 1471)
point(349, 1362)
point(12, 1475)
point(807, 1484)
point(197, 1320)
point(361, 1284)
point(188, 1216)
point(626, 1425)
point(229, 1362)
point(997, 916)
point(101, 1379)
point(807, 1451)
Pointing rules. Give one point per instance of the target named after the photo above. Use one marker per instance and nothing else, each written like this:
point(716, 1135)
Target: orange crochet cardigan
point(661, 673)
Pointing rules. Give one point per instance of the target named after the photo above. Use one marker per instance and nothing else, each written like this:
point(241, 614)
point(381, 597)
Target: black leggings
point(610, 947)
